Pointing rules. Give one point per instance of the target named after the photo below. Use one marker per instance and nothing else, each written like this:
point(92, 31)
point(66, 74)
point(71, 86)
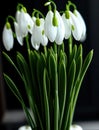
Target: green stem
point(70, 46)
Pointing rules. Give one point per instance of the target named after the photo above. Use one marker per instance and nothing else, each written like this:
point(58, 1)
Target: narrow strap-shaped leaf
point(24, 68)
point(28, 116)
point(40, 71)
point(71, 77)
point(46, 102)
point(73, 55)
point(85, 66)
point(16, 92)
point(52, 72)
point(79, 51)
point(39, 118)
point(12, 63)
point(13, 87)
point(62, 90)
point(56, 110)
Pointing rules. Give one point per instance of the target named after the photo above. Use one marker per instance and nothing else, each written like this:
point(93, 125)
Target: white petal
point(30, 23)
point(60, 29)
point(50, 30)
point(8, 39)
point(17, 15)
point(67, 25)
point(77, 31)
point(34, 45)
point(22, 21)
point(18, 35)
point(83, 25)
point(37, 34)
point(44, 40)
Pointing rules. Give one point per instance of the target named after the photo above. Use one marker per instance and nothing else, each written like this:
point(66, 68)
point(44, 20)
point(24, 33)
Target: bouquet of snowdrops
point(53, 71)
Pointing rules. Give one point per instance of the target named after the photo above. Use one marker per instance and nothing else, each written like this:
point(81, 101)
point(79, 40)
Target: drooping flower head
point(24, 23)
point(54, 26)
point(38, 34)
point(74, 23)
point(7, 36)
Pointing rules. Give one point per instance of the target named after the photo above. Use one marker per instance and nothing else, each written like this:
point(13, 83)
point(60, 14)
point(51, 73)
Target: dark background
point(88, 105)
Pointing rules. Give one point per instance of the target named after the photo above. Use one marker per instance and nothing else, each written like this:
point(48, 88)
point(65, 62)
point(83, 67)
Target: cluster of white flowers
point(54, 27)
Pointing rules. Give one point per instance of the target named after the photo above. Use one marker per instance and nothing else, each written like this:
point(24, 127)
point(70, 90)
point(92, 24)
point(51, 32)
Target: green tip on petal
point(67, 15)
point(72, 27)
point(38, 22)
point(8, 26)
point(43, 32)
point(55, 21)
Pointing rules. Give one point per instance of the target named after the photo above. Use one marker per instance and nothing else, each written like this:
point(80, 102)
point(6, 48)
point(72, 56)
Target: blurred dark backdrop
point(87, 106)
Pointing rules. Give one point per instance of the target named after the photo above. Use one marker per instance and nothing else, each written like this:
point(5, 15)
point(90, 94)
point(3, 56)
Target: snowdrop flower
point(38, 35)
point(24, 21)
point(75, 127)
point(54, 33)
point(72, 25)
point(8, 39)
point(82, 24)
point(76, 27)
point(54, 26)
point(50, 30)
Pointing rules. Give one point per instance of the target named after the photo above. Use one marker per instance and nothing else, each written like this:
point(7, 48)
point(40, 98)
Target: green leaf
point(13, 87)
point(16, 92)
point(12, 63)
point(62, 90)
point(46, 102)
point(24, 69)
point(84, 69)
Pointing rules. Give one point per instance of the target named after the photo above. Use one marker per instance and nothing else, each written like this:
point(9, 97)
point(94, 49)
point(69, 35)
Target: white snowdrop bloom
point(82, 24)
point(54, 33)
point(67, 25)
point(38, 35)
point(76, 127)
point(72, 26)
point(7, 36)
point(25, 22)
point(60, 30)
point(50, 30)
point(76, 27)
point(18, 34)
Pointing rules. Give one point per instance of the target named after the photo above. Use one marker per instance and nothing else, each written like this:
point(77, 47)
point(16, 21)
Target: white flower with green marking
point(54, 27)
point(82, 24)
point(38, 35)
point(7, 36)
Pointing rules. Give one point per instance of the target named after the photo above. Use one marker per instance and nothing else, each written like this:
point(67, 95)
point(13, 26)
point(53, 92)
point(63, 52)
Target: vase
point(73, 127)
point(25, 127)
point(76, 127)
